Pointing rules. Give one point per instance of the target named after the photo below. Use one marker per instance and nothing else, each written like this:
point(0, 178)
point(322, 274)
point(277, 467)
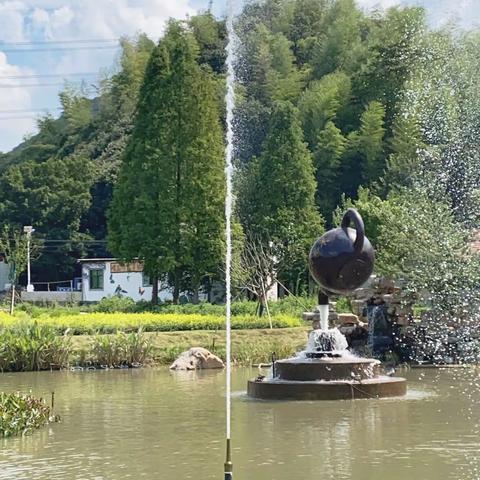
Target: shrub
point(343, 305)
point(115, 304)
point(21, 414)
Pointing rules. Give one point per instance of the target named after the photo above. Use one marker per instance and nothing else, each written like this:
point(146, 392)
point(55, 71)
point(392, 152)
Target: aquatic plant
point(22, 414)
point(30, 346)
point(122, 349)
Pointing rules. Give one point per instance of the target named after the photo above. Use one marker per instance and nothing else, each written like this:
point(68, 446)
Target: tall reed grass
point(28, 346)
point(121, 350)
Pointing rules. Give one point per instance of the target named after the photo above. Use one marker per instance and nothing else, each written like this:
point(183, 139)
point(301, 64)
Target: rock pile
point(385, 291)
point(197, 358)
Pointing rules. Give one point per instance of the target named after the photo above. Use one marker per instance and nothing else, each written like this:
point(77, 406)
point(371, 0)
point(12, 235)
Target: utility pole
point(28, 230)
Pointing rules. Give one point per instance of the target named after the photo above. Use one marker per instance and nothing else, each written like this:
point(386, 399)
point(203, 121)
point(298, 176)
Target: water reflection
point(164, 425)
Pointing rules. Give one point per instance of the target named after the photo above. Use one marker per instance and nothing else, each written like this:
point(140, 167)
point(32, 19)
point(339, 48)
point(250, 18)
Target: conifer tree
point(167, 207)
point(328, 157)
point(370, 140)
point(277, 202)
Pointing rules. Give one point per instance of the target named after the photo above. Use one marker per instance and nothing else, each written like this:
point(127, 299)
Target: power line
point(54, 49)
point(47, 75)
point(33, 85)
point(49, 42)
point(30, 117)
point(26, 110)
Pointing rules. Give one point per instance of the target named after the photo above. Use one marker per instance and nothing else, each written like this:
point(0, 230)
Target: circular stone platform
point(339, 378)
point(327, 369)
point(327, 390)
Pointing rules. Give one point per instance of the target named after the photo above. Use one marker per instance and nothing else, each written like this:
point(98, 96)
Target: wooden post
point(12, 300)
point(266, 304)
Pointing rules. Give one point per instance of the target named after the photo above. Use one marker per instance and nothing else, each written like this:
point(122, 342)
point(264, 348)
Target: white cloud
point(11, 21)
point(106, 18)
point(12, 99)
point(41, 20)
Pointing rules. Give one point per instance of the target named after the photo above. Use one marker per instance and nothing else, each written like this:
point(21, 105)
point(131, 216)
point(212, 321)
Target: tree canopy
point(167, 207)
point(334, 106)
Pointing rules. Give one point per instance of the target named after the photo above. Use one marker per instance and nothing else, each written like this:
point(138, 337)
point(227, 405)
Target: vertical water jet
point(230, 103)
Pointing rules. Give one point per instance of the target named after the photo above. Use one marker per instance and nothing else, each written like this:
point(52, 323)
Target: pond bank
point(248, 346)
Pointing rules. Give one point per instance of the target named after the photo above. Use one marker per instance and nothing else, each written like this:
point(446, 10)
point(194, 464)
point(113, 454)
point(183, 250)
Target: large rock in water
point(195, 359)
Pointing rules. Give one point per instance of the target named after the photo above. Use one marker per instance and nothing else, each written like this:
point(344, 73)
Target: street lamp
point(28, 230)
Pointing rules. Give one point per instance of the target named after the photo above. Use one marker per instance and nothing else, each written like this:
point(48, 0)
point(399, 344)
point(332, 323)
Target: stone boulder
point(348, 319)
point(197, 358)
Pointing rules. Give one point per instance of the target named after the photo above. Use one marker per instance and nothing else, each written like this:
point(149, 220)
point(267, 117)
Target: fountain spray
point(230, 102)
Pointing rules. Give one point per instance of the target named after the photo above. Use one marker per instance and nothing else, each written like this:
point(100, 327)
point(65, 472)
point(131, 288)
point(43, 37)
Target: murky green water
point(158, 425)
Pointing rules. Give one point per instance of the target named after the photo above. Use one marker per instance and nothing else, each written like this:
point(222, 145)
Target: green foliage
point(167, 208)
point(383, 101)
point(323, 101)
point(277, 201)
point(211, 37)
point(14, 247)
point(21, 414)
point(328, 160)
point(419, 241)
point(26, 346)
point(370, 140)
point(343, 305)
point(34, 345)
point(121, 350)
point(52, 196)
point(341, 47)
point(115, 304)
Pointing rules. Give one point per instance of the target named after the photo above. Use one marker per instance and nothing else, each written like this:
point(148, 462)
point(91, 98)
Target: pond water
point(160, 425)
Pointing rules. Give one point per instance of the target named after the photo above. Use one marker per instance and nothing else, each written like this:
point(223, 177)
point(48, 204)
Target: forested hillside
point(329, 100)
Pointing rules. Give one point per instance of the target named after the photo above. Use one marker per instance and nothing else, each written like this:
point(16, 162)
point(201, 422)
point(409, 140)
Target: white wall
point(53, 297)
point(4, 276)
point(129, 282)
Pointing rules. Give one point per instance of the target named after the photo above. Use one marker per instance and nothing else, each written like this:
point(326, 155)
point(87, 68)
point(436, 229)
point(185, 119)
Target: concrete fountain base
point(341, 378)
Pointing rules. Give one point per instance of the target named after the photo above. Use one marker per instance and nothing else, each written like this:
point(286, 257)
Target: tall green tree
point(328, 157)
point(53, 196)
point(167, 207)
point(277, 202)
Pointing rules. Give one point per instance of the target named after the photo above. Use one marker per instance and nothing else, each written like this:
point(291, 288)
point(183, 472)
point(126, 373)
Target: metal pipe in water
point(228, 462)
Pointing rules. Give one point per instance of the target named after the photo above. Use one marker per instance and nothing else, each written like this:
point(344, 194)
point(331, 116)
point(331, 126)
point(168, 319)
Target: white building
point(107, 277)
point(4, 275)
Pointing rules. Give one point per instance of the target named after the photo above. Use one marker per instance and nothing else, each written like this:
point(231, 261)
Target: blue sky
point(31, 80)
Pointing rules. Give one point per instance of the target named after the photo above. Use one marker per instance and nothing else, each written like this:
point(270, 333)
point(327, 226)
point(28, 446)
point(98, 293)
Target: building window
point(96, 279)
point(146, 282)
